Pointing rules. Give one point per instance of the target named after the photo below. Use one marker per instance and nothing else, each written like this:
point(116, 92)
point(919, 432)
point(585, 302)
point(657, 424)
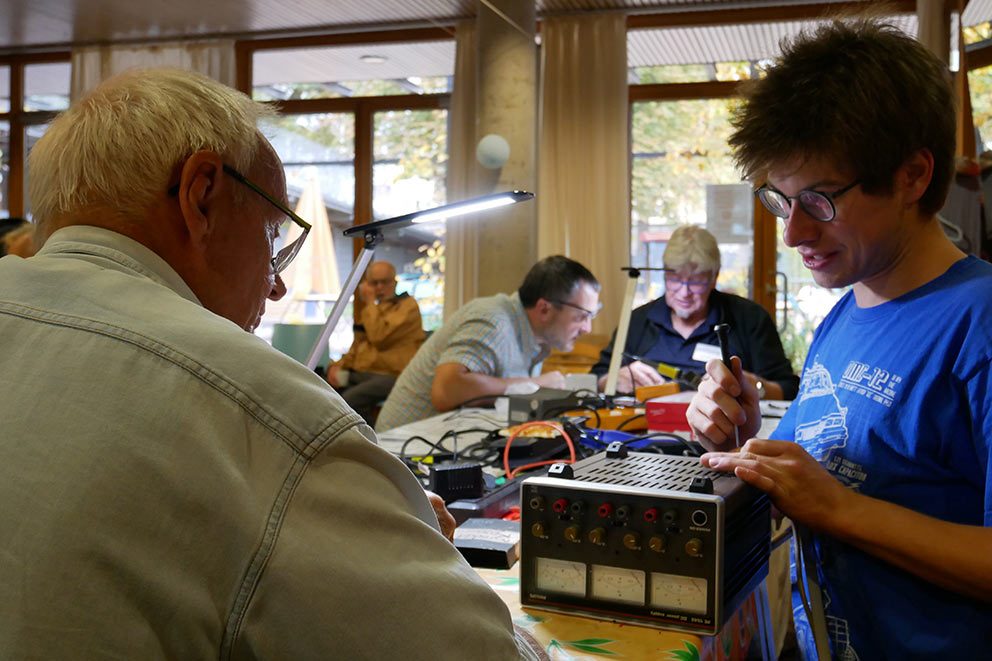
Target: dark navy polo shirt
point(673, 349)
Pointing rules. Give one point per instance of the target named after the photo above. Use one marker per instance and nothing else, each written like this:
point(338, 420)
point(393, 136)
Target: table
point(579, 637)
point(434, 427)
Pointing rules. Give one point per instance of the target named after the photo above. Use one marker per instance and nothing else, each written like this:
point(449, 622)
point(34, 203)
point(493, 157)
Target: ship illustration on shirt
point(817, 394)
point(837, 632)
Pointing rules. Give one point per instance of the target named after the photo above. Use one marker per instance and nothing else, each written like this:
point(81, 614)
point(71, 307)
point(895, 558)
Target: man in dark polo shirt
point(677, 329)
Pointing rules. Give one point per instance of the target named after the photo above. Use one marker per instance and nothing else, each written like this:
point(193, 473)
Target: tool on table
point(684, 377)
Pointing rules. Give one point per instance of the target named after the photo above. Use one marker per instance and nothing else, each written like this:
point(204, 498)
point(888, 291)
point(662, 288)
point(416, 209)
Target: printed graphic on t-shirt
point(874, 383)
point(824, 425)
point(837, 631)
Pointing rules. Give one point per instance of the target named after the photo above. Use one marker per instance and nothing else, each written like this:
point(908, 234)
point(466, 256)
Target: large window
point(32, 90)
point(682, 173)
point(318, 153)
point(4, 168)
point(411, 155)
point(683, 92)
point(363, 136)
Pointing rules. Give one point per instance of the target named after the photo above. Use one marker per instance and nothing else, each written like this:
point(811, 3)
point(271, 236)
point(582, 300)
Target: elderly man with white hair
point(677, 329)
point(173, 487)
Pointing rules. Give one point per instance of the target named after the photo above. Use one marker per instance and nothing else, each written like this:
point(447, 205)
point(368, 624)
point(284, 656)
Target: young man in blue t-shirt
point(850, 140)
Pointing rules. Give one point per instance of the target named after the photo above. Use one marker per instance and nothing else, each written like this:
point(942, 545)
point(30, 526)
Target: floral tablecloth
point(566, 637)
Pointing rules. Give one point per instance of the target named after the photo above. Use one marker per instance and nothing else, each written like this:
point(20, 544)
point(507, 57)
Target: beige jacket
point(174, 488)
point(392, 331)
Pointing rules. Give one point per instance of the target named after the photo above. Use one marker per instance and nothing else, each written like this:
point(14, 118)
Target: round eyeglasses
point(816, 204)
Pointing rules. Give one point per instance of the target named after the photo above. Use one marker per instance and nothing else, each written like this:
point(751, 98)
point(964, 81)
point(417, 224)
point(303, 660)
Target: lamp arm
point(372, 233)
point(372, 239)
point(621, 337)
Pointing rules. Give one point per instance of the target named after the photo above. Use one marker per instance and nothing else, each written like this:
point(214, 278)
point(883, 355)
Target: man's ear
point(914, 175)
point(544, 308)
point(201, 184)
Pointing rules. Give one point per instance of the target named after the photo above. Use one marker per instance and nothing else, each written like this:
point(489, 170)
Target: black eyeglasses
point(817, 204)
point(289, 251)
point(588, 314)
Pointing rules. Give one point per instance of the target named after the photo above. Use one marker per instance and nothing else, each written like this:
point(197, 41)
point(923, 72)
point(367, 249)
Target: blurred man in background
point(495, 342)
point(677, 329)
point(16, 237)
point(388, 333)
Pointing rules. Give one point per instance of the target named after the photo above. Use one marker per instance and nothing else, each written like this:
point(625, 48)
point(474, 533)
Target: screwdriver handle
point(723, 337)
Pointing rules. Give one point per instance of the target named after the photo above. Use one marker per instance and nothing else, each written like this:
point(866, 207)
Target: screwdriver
point(722, 335)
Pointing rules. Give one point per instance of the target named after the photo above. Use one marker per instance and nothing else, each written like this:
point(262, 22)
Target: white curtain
point(93, 64)
point(461, 283)
point(583, 189)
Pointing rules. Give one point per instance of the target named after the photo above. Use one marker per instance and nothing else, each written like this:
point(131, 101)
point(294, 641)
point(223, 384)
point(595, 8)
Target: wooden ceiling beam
point(347, 38)
point(754, 14)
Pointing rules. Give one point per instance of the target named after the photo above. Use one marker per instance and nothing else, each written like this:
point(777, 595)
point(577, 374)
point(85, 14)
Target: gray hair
point(117, 147)
point(692, 246)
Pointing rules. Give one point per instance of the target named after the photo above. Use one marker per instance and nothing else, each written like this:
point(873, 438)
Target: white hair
point(692, 246)
point(117, 147)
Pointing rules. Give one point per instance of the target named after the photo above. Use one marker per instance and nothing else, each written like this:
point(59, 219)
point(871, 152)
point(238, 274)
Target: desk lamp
point(371, 233)
point(620, 341)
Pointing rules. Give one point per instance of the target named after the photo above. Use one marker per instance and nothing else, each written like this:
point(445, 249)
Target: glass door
point(318, 154)
point(410, 162)
point(682, 173)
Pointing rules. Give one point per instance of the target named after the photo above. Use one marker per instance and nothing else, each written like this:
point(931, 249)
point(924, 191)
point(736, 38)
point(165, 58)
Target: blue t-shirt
point(896, 402)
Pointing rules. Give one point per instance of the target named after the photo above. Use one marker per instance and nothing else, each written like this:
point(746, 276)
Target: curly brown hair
point(859, 93)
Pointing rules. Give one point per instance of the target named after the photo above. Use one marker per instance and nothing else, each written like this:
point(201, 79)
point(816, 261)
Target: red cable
point(510, 474)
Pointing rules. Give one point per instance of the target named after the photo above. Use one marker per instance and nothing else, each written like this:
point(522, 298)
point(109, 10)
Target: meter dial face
point(618, 584)
point(561, 576)
point(681, 593)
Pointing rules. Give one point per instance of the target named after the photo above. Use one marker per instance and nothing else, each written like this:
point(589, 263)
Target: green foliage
point(590, 645)
point(692, 73)
point(980, 85)
point(977, 33)
point(796, 338)
point(350, 88)
point(333, 130)
point(690, 653)
point(678, 148)
point(418, 139)
point(677, 73)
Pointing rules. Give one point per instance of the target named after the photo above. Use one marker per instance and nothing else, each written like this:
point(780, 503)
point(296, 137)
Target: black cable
point(435, 446)
point(629, 420)
point(684, 442)
point(483, 453)
point(481, 415)
point(592, 393)
point(584, 407)
point(471, 400)
point(574, 393)
point(453, 434)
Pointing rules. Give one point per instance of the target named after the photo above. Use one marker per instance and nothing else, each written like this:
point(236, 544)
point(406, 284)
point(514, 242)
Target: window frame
point(19, 120)
point(363, 108)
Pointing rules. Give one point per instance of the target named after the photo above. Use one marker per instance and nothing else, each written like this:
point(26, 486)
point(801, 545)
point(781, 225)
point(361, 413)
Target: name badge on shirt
point(704, 352)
